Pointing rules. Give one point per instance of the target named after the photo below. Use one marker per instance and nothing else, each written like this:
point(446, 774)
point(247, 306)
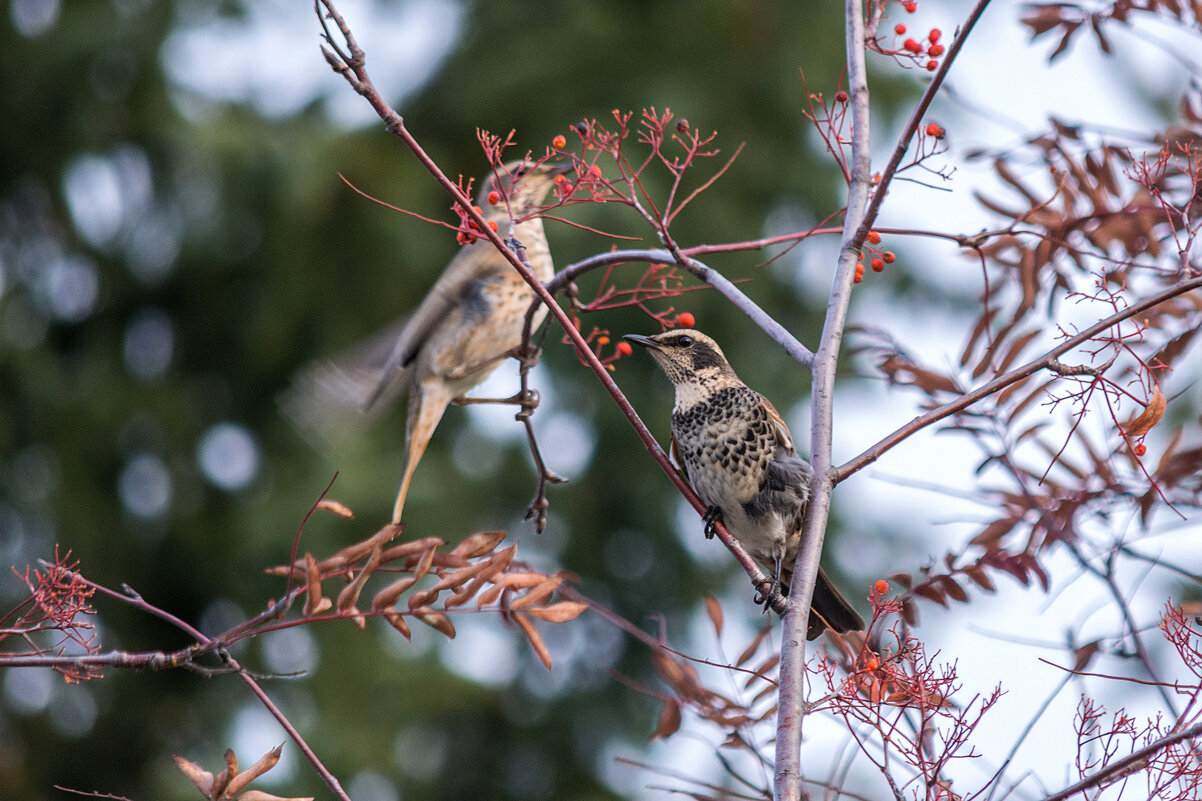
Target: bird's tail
point(427, 403)
point(830, 610)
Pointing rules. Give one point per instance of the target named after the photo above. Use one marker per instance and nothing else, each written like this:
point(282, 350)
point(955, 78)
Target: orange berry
point(888, 256)
point(465, 238)
point(478, 210)
point(624, 348)
point(936, 131)
point(872, 663)
point(494, 197)
point(685, 320)
point(1140, 450)
point(873, 238)
point(900, 30)
point(602, 340)
point(881, 587)
point(859, 276)
point(559, 142)
point(877, 265)
point(492, 224)
point(935, 35)
point(596, 171)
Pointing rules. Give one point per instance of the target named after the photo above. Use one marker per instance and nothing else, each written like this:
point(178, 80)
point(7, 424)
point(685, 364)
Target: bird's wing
point(325, 400)
point(469, 265)
point(674, 455)
point(783, 438)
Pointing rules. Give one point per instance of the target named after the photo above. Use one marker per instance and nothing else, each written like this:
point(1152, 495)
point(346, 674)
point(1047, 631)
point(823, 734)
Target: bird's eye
point(684, 340)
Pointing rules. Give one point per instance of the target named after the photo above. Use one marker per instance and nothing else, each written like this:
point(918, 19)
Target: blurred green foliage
point(167, 260)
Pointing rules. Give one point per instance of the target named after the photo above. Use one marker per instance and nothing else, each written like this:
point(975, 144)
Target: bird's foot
point(711, 518)
point(769, 595)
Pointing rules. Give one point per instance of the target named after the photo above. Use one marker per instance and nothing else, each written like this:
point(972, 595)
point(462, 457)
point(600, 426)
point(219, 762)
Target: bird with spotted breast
point(471, 319)
point(738, 455)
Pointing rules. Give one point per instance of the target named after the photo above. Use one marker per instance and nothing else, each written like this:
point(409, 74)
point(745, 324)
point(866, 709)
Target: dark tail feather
point(831, 610)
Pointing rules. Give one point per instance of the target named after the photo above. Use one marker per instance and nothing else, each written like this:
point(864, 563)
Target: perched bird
point(738, 455)
point(468, 323)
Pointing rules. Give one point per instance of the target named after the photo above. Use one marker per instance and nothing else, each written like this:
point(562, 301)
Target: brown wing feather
point(783, 437)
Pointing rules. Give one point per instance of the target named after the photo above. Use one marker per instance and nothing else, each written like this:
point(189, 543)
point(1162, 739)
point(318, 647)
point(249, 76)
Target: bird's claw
point(711, 518)
point(768, 598)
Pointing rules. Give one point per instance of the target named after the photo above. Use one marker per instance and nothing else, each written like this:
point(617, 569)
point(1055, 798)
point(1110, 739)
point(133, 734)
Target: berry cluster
point(925, 53)
point(469, 229)
point(877, 258)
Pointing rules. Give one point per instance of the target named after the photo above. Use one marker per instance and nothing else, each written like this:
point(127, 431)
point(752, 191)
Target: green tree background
point(169, 257)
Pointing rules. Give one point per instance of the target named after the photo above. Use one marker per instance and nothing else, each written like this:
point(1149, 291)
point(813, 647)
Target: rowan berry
point(881, 587)
point(932, 65)
point(888, 256)
point(624, 348)
point(596, 171)
point(877, 265)
point(559, 142)
point(900, 30)
point(602, 340)
point(873, 238)
point(936, 131)
point(935, 35)
point(872, 663)
point(840, 96)
point(1140, 450)
point(935, 50)
point(912, 45)
point(492, 224)
point(859, 276)
point(685, 320)
point(494, 197)
point(910, 7)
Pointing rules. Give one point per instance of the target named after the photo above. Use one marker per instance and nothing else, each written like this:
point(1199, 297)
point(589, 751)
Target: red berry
point(888, 257)
point(881, 587)
point(935, 50)
point(624, 348)
point(910, 7)
point(873, 238)
point(859, 276)
point(1140, 450)
point(685, 320)
point(559, 143)
point(595, 170)
point(900, 30)
point(877, 265)
point(936, 131)
point(872, 663)
point(840, 96)
point(494, 197)
point(912, 45)
point(492, 224)
point(935, 35)
point(932, 65)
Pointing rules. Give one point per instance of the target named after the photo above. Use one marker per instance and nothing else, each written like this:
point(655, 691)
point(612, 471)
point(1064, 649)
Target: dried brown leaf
point(315, 602)
point(994, 532)
point(560, 612)
point(714, 609)
point(495, 564)
point(264, 764)
point(397, 621)
point(1142, 423)
point(478, 544)
point(392, 593)
point(200, 777)
point(509, 581)
point(349, 596)
point(438, 621)
point(407, 549)
point(538, 593)
point(750, 650)
point(536, 641)
point(1085, 654)
point(669, 720)
point(340, 509)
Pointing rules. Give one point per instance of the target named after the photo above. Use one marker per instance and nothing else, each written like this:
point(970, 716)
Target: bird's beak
point(646, 342)
point(560, 169)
